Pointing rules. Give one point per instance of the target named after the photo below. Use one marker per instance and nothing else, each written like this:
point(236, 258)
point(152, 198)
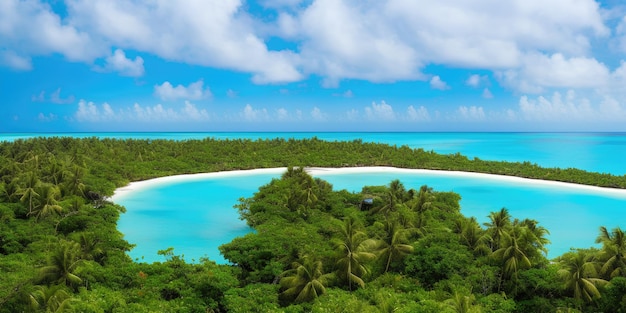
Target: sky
point(312, 65)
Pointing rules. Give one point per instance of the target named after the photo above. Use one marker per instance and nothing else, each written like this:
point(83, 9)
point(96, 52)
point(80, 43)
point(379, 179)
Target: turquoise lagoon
point(195, 217)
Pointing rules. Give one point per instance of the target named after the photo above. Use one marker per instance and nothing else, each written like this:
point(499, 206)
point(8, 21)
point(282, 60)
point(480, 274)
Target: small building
point(366, 204)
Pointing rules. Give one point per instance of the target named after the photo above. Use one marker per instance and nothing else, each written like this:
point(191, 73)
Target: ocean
point(204, 217)
point(596, 152)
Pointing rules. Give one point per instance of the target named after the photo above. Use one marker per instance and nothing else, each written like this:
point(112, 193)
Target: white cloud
point(31, 28)
point(378, 41)
point(419, 114)
point(471, 113)
point(556, 108)
point(254, 115)
point(282, 114)
point(13, 60)
point(353, 115)
point(46, 118)
point(231, 93)
point(55, 97)
point(318, 115)
point(380, 112)
point(476, 80)
point(540, 71)
point(118, 62)
point(207, 33)
point(437, 83)
point(195, 91)
point(487, 94)
point(41, 97)
point(90, 112)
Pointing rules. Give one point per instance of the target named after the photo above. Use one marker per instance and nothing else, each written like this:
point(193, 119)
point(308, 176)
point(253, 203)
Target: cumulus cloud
point(379, 41)
point(471, 113)
point(208, 33)
point(318, 115)
point(476, 80)
point(46, 117)
point(540, 71)
point(32, 28)
point(195, 91)
point(118, 62)
point(437, 83)
point(55, 97)
point(91, 112)
point(487, 94)
point(13, 60)
point(419, 114)
point(556, 108)
point(254, 115)
point(380, 112)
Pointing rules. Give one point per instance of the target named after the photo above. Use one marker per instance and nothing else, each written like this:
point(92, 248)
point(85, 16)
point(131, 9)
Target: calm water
point(597, 152)
point(196, 217)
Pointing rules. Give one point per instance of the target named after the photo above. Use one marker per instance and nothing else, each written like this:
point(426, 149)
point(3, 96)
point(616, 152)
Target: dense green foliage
point(315, 249)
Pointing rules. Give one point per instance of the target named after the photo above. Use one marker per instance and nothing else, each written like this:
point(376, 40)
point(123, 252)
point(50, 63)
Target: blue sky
point(312, 65)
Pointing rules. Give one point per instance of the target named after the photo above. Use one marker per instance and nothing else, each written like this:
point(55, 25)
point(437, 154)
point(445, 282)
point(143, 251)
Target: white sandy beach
point(139, 185)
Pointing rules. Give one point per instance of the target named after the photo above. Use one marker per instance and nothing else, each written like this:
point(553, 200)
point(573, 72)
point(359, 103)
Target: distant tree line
point(387, 248)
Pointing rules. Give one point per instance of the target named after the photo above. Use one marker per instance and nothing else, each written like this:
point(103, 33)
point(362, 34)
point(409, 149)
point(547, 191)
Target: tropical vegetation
point(389, 248)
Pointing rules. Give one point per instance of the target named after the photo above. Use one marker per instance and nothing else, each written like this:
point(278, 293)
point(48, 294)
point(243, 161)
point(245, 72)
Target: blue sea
point(196, 217)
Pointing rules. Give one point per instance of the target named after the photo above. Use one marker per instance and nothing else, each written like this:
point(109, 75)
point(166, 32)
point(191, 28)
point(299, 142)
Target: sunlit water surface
point(196, 217)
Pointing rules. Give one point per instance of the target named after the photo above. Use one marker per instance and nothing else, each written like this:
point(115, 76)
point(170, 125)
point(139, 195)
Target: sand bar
point(140, 185)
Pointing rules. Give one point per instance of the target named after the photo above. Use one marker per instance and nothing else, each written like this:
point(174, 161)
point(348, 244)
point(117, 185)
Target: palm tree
point(394, 244)
point(536, 235)
point(47, 201)
point(511, 253)
point(392, 198)
point(463, 304)
point(421, 202)
point(50, 299)
point(90, 247)
point(580, 276)
point(498, 224)
point(304, 281)
point(613, 253)
point(354, 252)
point(63, 264)
point(473, 236)
point(29, 192)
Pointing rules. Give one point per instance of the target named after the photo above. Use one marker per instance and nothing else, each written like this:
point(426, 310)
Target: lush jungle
point(390, 248)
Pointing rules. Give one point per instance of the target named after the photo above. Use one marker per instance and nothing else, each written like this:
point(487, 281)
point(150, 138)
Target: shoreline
point(121, 192)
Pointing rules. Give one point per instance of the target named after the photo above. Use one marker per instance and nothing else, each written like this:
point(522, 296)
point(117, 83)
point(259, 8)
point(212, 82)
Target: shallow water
point(596, 152)
point(167, 216)
point(196, 217)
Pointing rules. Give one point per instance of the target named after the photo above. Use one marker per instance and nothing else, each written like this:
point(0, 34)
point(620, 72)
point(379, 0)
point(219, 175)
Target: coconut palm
point(394, 244)
point(536, 235)
point(473, 236)
point(511, 253)
point(29, 192)
point(304, 281)
point(580, 276)
point(47, 201)
point(613, 253)
point(499, 223)
point(50, 299)
point(421, 202)
point(463, 304)
point(354, 252)
point(63, 264)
